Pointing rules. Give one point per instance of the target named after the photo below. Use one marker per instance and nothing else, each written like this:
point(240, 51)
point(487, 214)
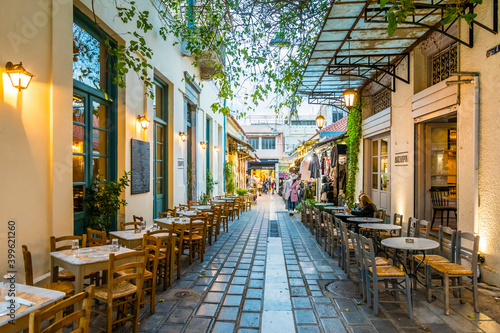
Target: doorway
point(160, 165)
point(380, 173)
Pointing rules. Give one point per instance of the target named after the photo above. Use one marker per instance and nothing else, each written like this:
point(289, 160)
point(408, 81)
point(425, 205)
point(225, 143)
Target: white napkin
point(21, 301)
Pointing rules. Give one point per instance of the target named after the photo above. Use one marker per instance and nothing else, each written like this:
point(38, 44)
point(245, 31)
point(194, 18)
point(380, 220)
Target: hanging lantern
point(143, 121)
point(320, 121)
point(19, 77)
point(349, 96)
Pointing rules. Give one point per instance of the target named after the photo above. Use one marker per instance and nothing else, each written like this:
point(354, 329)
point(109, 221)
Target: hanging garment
point(305, 174)
point(314, 167)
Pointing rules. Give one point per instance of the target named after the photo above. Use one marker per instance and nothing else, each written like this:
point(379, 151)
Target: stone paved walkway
point(251, 282)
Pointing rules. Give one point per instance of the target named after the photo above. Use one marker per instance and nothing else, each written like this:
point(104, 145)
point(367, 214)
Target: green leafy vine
point(354, 134)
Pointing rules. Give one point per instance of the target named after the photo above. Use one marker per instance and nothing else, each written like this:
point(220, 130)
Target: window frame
point(254, 138)
point(266, 143)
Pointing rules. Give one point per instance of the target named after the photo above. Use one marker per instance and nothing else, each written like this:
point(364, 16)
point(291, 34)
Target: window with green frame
point(94, 113)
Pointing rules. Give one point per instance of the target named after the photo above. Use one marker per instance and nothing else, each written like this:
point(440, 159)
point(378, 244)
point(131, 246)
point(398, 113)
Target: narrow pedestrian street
point(267, 274)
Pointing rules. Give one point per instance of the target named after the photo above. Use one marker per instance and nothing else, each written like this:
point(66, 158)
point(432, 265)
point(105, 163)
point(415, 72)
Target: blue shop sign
point(493, 51)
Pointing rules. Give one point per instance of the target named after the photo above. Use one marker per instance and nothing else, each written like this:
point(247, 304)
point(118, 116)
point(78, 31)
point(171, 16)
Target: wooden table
point(377, 227)
point(334, 207)
point(204, 207)
point(187, 213)
point(82, 264)
point(128, 238)
point(22, 314)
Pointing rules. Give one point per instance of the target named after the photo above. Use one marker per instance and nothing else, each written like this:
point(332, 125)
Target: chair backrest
point(470, 253)
point(151, 246)
point(55, 242)
point(380, 214)
point(368, 252)
point(131, 271)
point(28, 266)
point(79, 316)
point(447, 242)
point(337, 222)
point(412, 227)
point(398, 220)
point(167, 211)
point(424, 228)
point(130, 225)
point(96, 237)
point(357, 249)
point(197, 226)
point(138, 218)
point(344, 235)
point(437, 197)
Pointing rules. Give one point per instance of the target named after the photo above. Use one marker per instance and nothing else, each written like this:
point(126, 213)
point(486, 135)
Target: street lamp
point(320, 121)
point(19, 77)
point(349, 96)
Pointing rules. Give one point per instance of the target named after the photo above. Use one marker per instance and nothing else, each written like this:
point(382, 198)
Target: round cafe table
point(377, 227)
point(334, 207)
point(321, 204)
point(418, 244)
point(358, 219)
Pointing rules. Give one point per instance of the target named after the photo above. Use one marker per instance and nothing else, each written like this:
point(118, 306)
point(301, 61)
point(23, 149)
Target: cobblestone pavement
point(267, 274)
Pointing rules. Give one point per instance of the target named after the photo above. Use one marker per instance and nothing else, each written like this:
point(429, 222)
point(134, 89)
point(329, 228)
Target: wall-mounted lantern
point(19, 77)
point(216, 148)
point(183, 136)
point(203, 144)
point(143, 121)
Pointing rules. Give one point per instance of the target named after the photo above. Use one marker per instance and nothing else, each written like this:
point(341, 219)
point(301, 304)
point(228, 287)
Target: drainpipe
point(475, 129)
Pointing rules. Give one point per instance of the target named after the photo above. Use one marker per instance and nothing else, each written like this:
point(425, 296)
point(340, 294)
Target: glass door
point(160, 148)
point(380, 189)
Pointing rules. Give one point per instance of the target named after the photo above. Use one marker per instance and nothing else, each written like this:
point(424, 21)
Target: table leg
point(52, 267)
point(79, 279)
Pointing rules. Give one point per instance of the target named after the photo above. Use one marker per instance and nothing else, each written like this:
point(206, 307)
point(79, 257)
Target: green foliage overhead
point(353, 141)
point(401, 9)
point(103, 200)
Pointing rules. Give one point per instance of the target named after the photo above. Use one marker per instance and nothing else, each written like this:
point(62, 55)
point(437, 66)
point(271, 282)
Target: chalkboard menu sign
point(140, 166)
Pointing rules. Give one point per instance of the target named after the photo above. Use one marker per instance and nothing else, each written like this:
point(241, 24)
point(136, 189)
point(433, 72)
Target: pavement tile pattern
point(250, 282)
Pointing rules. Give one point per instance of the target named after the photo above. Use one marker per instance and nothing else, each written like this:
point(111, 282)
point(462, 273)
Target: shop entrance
point(436, 171)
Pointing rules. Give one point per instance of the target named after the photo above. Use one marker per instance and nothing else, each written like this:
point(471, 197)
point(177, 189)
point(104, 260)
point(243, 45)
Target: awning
point(240, 142)
point(354, 48)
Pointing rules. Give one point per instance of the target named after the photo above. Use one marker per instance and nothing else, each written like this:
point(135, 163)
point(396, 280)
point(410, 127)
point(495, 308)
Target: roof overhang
point(240, 142)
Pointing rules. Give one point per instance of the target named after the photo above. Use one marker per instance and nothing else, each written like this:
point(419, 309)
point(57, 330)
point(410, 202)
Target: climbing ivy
point(353, 144)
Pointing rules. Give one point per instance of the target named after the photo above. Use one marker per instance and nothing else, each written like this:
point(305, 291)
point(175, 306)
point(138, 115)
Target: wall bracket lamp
point(216, 148)
point(19, 77)
point(203, 144)
point(143, 121)
point(183, 136)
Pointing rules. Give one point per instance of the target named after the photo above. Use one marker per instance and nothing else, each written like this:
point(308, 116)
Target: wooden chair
point(455, 272)
point(151, 246)
point(120, 292)
point(172, 212)
point(130, 225)
point(441, 205)
point(195, 238)
point(137, 218)
point(62, 286)
point(380, 214)
point(412, 227)
point(348, 249)
point(375, 273)
point(224, 218)
point(193, 203)
point(96, 237)
point(445, 253)
point(359, 262)
point(79, 318)
point(209, 216)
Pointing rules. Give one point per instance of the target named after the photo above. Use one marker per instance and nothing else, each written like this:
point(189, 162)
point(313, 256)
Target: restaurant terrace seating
point(96, 237)
point(78, 317)
point(130, 225)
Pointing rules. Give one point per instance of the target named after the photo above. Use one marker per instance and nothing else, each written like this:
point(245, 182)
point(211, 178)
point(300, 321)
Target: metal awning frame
point(437, 6)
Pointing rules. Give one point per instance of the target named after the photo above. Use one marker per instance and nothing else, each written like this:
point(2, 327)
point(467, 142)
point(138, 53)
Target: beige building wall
point(36, 125)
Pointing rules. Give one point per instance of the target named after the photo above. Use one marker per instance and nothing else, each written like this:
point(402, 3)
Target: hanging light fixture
point(143, 121)
point(320, 121)
point(19, 77)
point(349, 96)
point(350, 93)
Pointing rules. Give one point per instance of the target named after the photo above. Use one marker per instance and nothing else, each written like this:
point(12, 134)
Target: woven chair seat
point(121, 289)
point(381, 261)
point(450, 268)
point(430, 258)
point(388, 271)
point(387, 234)
point(147, 274)
point(66, 276)
point(63, 286)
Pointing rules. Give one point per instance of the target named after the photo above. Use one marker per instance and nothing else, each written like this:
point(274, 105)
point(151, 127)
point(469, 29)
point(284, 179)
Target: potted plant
point(103, 200)
point(204, 199)
point(241, 191)
point(210, 183)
